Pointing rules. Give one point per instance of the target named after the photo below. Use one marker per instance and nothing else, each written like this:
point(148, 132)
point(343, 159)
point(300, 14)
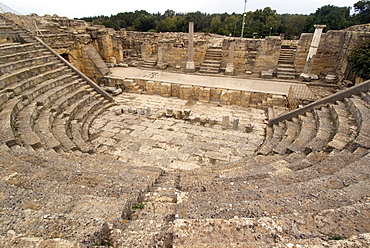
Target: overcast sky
point(85, 8)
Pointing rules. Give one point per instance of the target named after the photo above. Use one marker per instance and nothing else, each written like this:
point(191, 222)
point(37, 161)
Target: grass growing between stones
point(138, 206)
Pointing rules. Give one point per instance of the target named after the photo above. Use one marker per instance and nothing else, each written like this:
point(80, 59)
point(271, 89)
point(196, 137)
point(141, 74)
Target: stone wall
point(199, 93)
point(253, 55)
point(331, 57)
point(69, 37)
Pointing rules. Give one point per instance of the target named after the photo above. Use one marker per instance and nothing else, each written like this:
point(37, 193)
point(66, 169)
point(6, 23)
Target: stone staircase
point(212, 61)
point(150, 222)
point(286, 68)
point(307, 185)
point(149, 63)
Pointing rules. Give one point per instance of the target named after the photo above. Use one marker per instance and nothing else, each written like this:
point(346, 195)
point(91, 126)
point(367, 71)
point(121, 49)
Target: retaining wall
point(199, 93)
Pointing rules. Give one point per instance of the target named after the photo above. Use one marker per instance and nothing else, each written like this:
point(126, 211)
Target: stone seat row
point(30, 87)
point(336, 126)
point(316, 229)
point(48, 197)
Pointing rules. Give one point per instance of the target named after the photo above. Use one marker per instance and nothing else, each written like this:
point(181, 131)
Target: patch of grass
point(138, 206)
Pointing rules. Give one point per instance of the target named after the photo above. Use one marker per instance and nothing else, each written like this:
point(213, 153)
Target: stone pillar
point(306, 75)
point(225, 121)
point(190, 65)
point(230, 65)
point(160, 63)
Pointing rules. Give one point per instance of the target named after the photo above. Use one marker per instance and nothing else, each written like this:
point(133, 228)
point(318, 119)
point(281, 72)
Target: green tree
point(292, 25)
point(216, 25)
point(145, 23)
point(335, 18)
point(359, 59)
point(362, 9)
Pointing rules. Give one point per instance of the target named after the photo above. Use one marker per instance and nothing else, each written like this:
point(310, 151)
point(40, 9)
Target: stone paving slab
point(254, 85)
point(168, 142)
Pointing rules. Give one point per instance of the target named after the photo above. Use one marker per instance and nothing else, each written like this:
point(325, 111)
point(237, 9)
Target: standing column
point(312, 52)
point(230, 65)
point(190, 66)
point(160, 63)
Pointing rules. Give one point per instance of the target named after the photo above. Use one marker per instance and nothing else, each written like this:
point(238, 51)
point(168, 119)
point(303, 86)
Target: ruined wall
point(253, 55)
point(199, 93)
point(69, 37)
point(331, 57)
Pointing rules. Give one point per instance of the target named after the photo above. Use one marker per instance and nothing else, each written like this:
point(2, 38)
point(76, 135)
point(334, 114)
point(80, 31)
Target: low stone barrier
point(199, 93)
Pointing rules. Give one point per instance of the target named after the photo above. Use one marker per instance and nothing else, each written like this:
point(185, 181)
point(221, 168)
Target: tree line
point(259, 23)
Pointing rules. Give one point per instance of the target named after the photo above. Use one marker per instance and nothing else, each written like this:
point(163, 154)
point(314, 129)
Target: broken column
point(230, 65)
point(190, 65)
point(225, 121)
point(236, 124)
point(306, 75)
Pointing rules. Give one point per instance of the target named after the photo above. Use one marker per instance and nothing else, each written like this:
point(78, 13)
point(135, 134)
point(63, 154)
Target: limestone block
point(157, 88)
point(150, 87)
point(166, 89)
point(129, 84)
point(186, 92)
point(245, 98)
point(175, 90)
point(204, 94)
point(225, 97)
point(141, 83)
point(234, 97)
point(196, 90)
point(215, 94)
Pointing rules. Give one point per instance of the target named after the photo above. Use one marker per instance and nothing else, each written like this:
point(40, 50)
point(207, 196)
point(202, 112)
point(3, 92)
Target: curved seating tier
point(307, 186)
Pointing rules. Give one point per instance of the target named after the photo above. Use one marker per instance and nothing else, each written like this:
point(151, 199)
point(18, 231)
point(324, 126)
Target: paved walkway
point(233, 83)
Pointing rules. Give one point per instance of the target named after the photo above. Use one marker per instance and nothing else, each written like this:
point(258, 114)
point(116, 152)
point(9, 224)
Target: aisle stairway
point(286, 68)
point(212, 60)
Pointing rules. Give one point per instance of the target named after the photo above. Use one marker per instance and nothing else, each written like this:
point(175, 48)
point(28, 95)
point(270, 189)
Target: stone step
point(18, 88)
point(61, 127)
point(27, 223)
point(293, 129)
point(9, 111)
point(13, 48)
point(281, 65)
point(339, 180)
point(360, 110)
point(22, 74)
point(286, 77)
point(23, 55)
point(77, 122)
point(324, 128)
point(228, 205)
point(143, 233)
point(29, 62)
point(268, 231)
point(278, 132)
point(285, 70)
point(209, 70)
point(332, 163)
point(345, 128)
point(109, 208)
point(90, 118)
point(306, 134)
